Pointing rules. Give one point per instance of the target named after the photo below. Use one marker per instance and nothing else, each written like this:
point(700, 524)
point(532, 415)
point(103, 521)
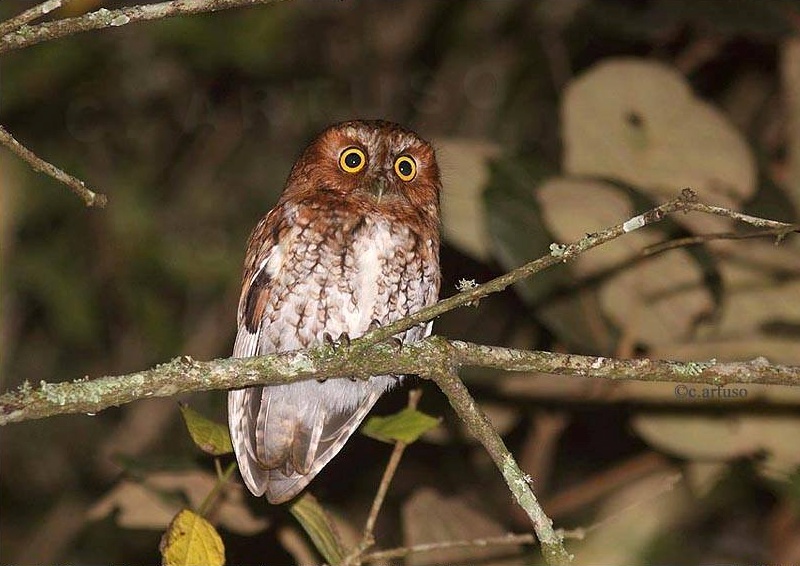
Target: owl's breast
point(344, 277)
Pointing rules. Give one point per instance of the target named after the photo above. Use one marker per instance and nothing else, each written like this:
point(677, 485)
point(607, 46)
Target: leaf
point(190, 540)
point(320, 528)
point(211, 437)
point(465, 171)
point(628, 522)
point(518, 235)
point(639, 122)
point(653, 301)
point(152, 503)
point(429, 517)
point(406, 426)
point(716, 438)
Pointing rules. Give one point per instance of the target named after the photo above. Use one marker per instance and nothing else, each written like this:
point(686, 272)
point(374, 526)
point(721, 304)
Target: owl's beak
point(379, 188)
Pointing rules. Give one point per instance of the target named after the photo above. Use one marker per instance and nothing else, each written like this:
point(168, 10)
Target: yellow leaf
point(190, 540)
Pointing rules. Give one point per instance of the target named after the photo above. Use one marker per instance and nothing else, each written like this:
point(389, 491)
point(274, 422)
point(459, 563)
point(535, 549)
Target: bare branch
point(381, 556)
point(777, 233)
point(741, 217)
point(90, 198)
point(104, 18)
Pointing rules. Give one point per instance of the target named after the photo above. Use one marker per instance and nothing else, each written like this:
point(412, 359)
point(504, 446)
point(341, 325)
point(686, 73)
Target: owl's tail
point(283, 437)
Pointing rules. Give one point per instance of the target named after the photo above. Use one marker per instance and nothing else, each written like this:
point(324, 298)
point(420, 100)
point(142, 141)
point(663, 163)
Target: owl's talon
point(343, 340)
point(374, 325)
point(395, 343)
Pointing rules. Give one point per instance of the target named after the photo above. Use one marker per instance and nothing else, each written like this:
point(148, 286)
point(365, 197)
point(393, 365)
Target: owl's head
point(373, 165)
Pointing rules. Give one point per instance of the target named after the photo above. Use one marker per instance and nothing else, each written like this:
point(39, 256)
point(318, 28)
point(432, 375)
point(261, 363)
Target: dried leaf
point(190, 540)
point(211, 437)
point(655, 301)
point(152, 503)
point(632, 519)
point(406, 426)
point(715, 438)
point(430, 517)
point(639, 122)
point(464, 165)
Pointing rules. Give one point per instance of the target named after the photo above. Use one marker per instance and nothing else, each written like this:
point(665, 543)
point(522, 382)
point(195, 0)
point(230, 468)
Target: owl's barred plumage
point(352, 241)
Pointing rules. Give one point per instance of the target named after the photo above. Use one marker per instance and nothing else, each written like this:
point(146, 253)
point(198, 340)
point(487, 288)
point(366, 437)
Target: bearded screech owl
point(352, 242)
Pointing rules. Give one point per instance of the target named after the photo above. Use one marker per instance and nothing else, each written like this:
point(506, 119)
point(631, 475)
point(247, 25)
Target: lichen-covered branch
point(25, 36)
point(184, 375)
point(30, 15)
point(90, 198)
point(518, 482)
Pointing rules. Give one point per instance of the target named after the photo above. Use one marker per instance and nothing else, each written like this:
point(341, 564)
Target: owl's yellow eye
point(405, 167)
point(352, 160)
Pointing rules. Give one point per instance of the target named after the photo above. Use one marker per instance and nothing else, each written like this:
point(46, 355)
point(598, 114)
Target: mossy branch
point(186, 375)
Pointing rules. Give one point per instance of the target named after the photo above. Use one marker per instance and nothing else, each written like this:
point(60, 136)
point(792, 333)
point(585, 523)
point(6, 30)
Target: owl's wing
point(283, 435)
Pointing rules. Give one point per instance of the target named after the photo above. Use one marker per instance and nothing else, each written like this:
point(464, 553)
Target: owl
point(352, 243)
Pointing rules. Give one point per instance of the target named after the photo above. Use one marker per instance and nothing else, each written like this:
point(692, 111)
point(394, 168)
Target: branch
point(186, 375)
point(103, 18)
point(777, 233)
point(381, 556)
point(562, 253)
point(90, 198)
point(518, 482)
point(31, 14)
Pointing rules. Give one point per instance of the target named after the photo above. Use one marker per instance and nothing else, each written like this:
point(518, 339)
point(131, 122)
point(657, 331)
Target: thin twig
point(388, 474)
point(222, 479)
point(30, 15)
point(518, 482)
point(90, 198)
point(367, 539)
point(740, 216)
point(381, 556)
point(777, 233)
point(104, 18)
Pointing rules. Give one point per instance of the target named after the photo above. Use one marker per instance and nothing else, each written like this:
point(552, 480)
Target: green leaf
point(405, 426)
point(190, 540)
point(319, 526)
point(210, 436)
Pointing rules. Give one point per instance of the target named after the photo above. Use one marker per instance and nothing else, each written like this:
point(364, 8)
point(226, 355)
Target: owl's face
point(374, 166)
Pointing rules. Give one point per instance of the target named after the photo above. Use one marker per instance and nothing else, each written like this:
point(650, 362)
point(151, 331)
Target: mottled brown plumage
point(352, 241)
